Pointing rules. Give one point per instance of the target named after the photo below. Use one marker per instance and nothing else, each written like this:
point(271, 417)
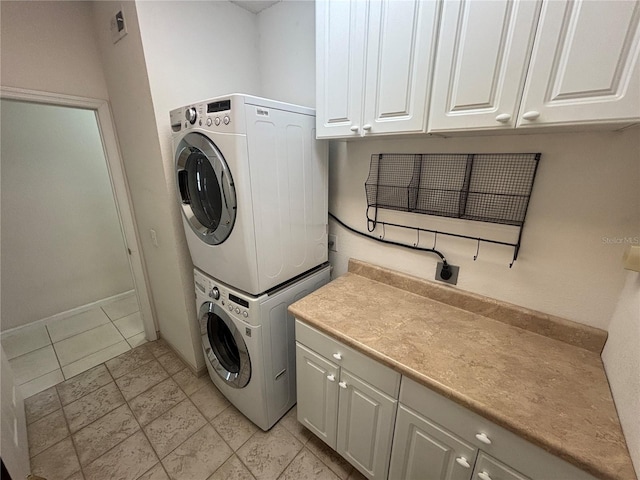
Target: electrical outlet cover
point(117, 25)
point(454, 274)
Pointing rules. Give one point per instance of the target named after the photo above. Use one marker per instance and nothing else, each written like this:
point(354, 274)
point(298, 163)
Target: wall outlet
point(333, 243)
point(117, 26)
point(453, 270)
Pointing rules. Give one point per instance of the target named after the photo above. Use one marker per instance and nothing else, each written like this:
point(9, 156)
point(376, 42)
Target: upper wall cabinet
point(584, 67)
point(481, 63)
point(374, 66)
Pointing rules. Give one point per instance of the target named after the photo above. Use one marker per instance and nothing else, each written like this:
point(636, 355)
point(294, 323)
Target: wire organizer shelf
point(493, 188)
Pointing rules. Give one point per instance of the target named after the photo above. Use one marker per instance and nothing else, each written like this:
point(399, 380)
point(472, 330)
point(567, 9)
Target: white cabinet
point(482, 60)
point(585, 64)
point(358, 421)
point(488, 468)
point(373, 66)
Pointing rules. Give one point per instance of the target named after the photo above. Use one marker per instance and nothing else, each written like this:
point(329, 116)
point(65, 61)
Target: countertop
point(538, 376)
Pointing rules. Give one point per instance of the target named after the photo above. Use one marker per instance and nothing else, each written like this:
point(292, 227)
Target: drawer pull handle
point(503, 118)
point(532, 115)
point(337, 356)
point(355, 128)
point(483, 438)
point(331, 378)
point(463, 461)
point(484, 476)
point(342, 384)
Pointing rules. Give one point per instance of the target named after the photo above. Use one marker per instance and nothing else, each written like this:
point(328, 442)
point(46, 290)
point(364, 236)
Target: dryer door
point(206, 188)
point(226, 349)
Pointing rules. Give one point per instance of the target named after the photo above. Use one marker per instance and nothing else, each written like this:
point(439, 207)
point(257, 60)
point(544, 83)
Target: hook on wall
point(383, 232)
point(475, 257)
point(435, 240)
point(418, 240)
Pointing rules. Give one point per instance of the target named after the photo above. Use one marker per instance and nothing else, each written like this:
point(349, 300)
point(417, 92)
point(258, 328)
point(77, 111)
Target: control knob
point(190, 114)
point(214, 293)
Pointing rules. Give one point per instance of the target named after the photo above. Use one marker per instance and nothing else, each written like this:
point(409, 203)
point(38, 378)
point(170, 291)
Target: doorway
point(73, 289)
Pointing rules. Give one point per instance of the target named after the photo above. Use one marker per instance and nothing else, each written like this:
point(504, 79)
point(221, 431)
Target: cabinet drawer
point(523, 456)
point(367, 369)
point(488, 468)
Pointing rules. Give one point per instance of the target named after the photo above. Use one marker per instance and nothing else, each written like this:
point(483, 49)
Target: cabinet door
point(400, 52)
point(423, 449)
point(584, 67)
point(340, 52)
point(488, 468)
point(483, 54)
point(365, 426)
point(317, 390)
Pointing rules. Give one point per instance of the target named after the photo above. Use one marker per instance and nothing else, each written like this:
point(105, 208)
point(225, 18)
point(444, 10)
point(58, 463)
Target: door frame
point(119, 187)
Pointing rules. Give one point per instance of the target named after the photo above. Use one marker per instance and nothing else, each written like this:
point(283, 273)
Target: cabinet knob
point(342, 384)
point(331, 378)
point(337, 356)
point(355, 128)
point(503, 118)
point(463, 461)
point(366, 127)
point(532, 115)
point(484, 476)
point(483, 438)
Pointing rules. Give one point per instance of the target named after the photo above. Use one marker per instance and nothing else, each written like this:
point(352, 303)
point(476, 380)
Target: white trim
point(68, 313)
point(119, 186)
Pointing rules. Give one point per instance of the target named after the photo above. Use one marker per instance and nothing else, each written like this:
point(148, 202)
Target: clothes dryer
point(252, 182)
point(249, 343)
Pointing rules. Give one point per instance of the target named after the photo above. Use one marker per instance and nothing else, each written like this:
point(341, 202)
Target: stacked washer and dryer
point(252, 182)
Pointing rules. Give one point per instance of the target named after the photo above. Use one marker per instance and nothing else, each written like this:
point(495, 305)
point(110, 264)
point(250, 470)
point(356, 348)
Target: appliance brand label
point(262, 112)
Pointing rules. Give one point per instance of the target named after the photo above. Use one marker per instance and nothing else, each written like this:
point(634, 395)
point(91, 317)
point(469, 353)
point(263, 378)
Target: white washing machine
point(252, 181)
point(249, 343)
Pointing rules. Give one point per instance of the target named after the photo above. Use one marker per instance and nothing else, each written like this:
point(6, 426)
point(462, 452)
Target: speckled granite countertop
point(539, 376)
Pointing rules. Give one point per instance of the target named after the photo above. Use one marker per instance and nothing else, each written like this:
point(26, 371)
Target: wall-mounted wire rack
point(492, 188)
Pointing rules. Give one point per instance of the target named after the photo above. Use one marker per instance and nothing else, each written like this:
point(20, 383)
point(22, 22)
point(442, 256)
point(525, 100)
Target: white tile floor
point(46, 354)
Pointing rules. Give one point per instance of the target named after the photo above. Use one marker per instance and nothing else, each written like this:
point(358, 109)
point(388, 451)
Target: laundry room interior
point(136, 394)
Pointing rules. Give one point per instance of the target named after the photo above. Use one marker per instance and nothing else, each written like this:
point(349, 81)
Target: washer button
point(209, 122)
point(226, 120)
point(237, 310)
point(217, 121)
point(245, 314)
point(230, 308)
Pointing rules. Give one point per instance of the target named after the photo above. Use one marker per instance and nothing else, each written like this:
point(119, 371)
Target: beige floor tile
point(105, 433)
point(158, 399)
point(41, 404)
point(46, 432)
point(209, 401)
point(126, 461)
point(171, 363)
point(155, 473)
point(173, 427)
point(329, 457)
point(130, 325)
point(198, 457)
point(76, 476)
point(82, 384)
point(33, 364)
point(79, 346)
point(189, 382)
point(234, 427)
point(137, 381)
point(129, 361)
point(39, 384)
point(306, 466)
point(291, 423)
point(70, 326)
point(94, 359)
point(232, 469)
point(159, 347)
point(267, 454)
point(92, 406)
point(25, 340)
point(137, 340)
point(122, 307)
point(56, 463)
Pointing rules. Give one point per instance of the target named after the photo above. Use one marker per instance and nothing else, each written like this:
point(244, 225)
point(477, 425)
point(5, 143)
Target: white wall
point(287, 52)
point(61, 234)
point(587, 188)
point(621, 358)
point(50, 47)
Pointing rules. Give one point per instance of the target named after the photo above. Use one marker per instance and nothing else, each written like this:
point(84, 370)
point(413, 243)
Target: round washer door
point(224, 346)
point(206, 188)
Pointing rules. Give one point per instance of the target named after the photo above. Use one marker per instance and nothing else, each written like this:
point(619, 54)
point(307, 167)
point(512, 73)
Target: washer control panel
point(215, 113)
point(208, 289)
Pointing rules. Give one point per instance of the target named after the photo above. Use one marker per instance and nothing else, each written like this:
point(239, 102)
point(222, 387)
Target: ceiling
point(255, 6)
